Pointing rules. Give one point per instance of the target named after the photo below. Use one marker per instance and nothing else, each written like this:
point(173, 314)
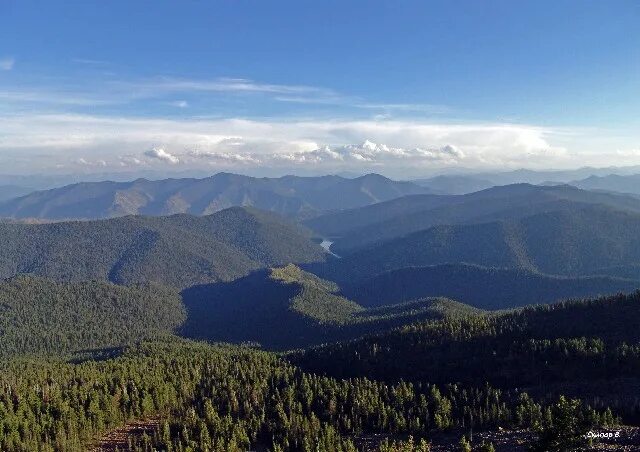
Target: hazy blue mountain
point(179, 250)
point(455, 184)
point(359, 228)
point(570, 242)
point(8, 192)
point(291, 196)
point(557, 176)
point(611, 182)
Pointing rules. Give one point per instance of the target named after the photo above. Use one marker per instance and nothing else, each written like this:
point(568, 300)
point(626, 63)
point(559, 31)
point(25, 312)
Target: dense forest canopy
point(247, 309)
point(226, 399)
point(573, 343)
point(179, 250)
point(39, 316)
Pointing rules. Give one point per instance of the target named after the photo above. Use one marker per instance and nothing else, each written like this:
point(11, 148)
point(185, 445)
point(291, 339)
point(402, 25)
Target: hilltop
point(285, 308)
point(178, 250)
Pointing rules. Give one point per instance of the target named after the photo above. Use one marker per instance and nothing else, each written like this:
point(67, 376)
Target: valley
point(444, 313)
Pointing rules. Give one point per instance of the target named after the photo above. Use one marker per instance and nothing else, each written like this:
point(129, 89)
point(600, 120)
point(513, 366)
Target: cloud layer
point(322, 145)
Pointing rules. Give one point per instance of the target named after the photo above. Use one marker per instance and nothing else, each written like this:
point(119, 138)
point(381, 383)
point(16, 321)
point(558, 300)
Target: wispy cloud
point(420, 108)
point(111, 91)
point(179, 103)
point(90, 61)
point(158, 85)
point(180, 92)
point(6, 64)
point(56, 98)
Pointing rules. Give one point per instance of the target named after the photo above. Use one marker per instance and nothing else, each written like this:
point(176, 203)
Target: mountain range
point(611, 183)
point(423, 325)
point(571, 242)
point(359, 228)
point(291, 196)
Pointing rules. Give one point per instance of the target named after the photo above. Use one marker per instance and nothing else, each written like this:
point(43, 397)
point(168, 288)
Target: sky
point(403, 88)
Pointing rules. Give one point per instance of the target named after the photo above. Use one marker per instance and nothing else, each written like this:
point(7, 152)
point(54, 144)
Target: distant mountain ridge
point(481, 287)
point(362, 227)
point(611, 183)
point(582, 241)
point(291, 196)
point(178, 250)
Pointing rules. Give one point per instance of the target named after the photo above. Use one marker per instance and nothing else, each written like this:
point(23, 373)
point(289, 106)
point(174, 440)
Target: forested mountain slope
point(482, 287)
point(236, 399)
point(569, 343)
point(291, 196)
point(565, 242)
point(179, 250)
point(45, 317)
point(284, 308)
point(359, 228)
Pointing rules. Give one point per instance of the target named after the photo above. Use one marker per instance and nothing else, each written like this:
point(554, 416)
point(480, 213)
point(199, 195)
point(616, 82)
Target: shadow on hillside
point(252, 309)
point(95, 354)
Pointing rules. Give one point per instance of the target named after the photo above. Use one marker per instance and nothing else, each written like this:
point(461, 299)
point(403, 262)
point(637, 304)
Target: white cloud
point(6, 64)
point(84, 162)
point(375, 154)
point(325, 145)
point(225, 157)
point(129, 160)
point(161, 154)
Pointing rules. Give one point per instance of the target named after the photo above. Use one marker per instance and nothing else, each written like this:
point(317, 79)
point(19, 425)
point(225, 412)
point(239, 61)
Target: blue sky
point(331, 85)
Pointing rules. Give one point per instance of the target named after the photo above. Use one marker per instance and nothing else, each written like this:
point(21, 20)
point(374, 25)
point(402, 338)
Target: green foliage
point(564, 427)
point(464, 445)
point(404, 446)
point(570, 343)
point(46, 317)
point(179, 250)
point(224, 399)
point(486, 447)
point(315, 297)
point(253, 308)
